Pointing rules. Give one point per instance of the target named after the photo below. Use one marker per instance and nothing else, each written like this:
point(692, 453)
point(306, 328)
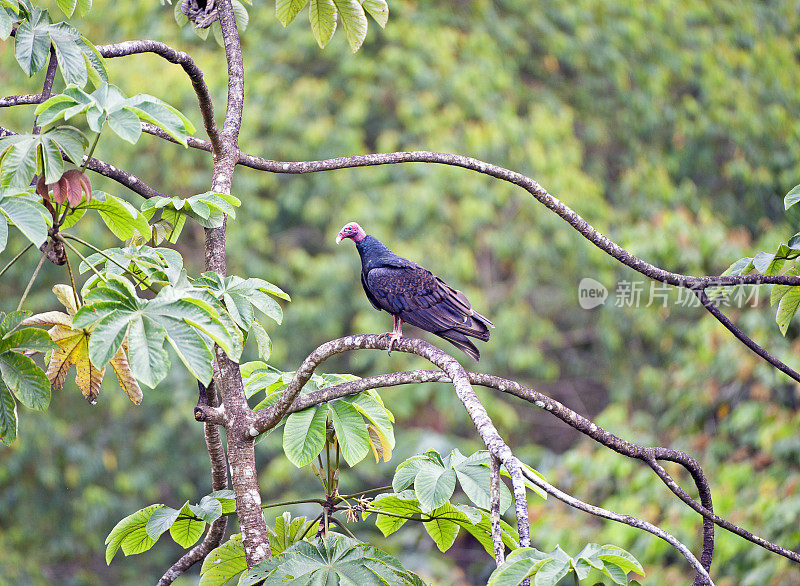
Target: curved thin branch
point(195, 74)
point(744, 338)
point(625, 519)
point(649, 455)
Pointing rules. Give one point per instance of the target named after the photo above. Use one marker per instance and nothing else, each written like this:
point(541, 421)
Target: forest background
point(671, 126)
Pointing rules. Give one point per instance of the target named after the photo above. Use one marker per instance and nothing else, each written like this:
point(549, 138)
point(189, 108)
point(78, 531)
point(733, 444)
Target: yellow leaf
point(379, 443)
point(74, 349)
point(66, 296)
point(123, 371)
point(48, 318)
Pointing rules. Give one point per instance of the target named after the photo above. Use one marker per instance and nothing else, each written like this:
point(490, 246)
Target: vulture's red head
point(351, 230)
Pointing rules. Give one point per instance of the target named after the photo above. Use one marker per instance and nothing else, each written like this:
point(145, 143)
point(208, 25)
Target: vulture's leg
point(396, 333)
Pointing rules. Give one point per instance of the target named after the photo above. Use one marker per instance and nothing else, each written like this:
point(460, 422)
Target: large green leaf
point(304, 435)
point(131, 534)
point(161, 520)
point(434, 485)
point(354, 22)
point(26, 380)
point(114, 310)
point(351, 432)
point(334, 559)
point(288, 531)
point(187, 528)
point(322, 14)
point(23, 155)
point(32, 45)
point(443, 528)
point(70, 56)
point(8, 416)
point(224, 563)
point(286, 10)
point(547, 569)
point(29, 216)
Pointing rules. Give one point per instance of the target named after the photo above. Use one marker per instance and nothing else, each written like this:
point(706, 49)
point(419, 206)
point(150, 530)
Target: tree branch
point(21, 100)
point(625, 519)
point(494, 510)
point(227, 376)
point(742, 337)
point(47, 88)
point(189, 66)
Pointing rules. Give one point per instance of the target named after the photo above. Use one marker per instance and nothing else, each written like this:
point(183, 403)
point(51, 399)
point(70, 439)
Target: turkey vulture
point(413, 294)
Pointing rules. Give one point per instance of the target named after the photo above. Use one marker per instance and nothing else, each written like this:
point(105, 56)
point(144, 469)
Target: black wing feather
point(421, 299)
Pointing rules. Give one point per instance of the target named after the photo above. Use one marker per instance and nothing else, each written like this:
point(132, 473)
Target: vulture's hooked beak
point(339, 238)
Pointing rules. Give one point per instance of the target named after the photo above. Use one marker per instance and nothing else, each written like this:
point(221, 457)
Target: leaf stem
point(362, 493)
point(83, 258)
point(30, 283)
point(310, 525)
point(108, 258)
point(15, 259)
point(297, 502)
point(78, 302)
point(342, 525)
point(91, 152)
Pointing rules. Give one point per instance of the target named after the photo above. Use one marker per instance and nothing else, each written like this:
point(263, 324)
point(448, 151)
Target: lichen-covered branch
point(459, 379)
point(219, 481)
point(494, 510)
point(227, 376)
point(625, 519)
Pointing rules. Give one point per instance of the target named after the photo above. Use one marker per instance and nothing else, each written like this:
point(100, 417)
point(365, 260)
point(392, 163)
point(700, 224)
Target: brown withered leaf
point(381, 448)
point(124, 375)
point(77, 184)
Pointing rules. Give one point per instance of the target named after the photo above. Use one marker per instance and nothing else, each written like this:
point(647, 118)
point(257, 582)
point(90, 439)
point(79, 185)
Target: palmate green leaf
point(335, 558)
point(792, 197)
point(23, 155)
point(286, 10)
point(354, 22)
point(32, 42)
point(113, 310)
point(434, 485)
point(351, 431)
point(70, 56)
point(548, 569)
point(322, 14)
point(26, 380)
point(304, 435)
point(224, 563)
point(130, 534)
point(8, 416)
point(29, 216)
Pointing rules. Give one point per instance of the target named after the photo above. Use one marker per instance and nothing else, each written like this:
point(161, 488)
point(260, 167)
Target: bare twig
point(625, 519)
point(742, 337)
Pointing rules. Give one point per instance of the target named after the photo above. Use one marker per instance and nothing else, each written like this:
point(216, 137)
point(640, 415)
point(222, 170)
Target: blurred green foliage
point(670, 126)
